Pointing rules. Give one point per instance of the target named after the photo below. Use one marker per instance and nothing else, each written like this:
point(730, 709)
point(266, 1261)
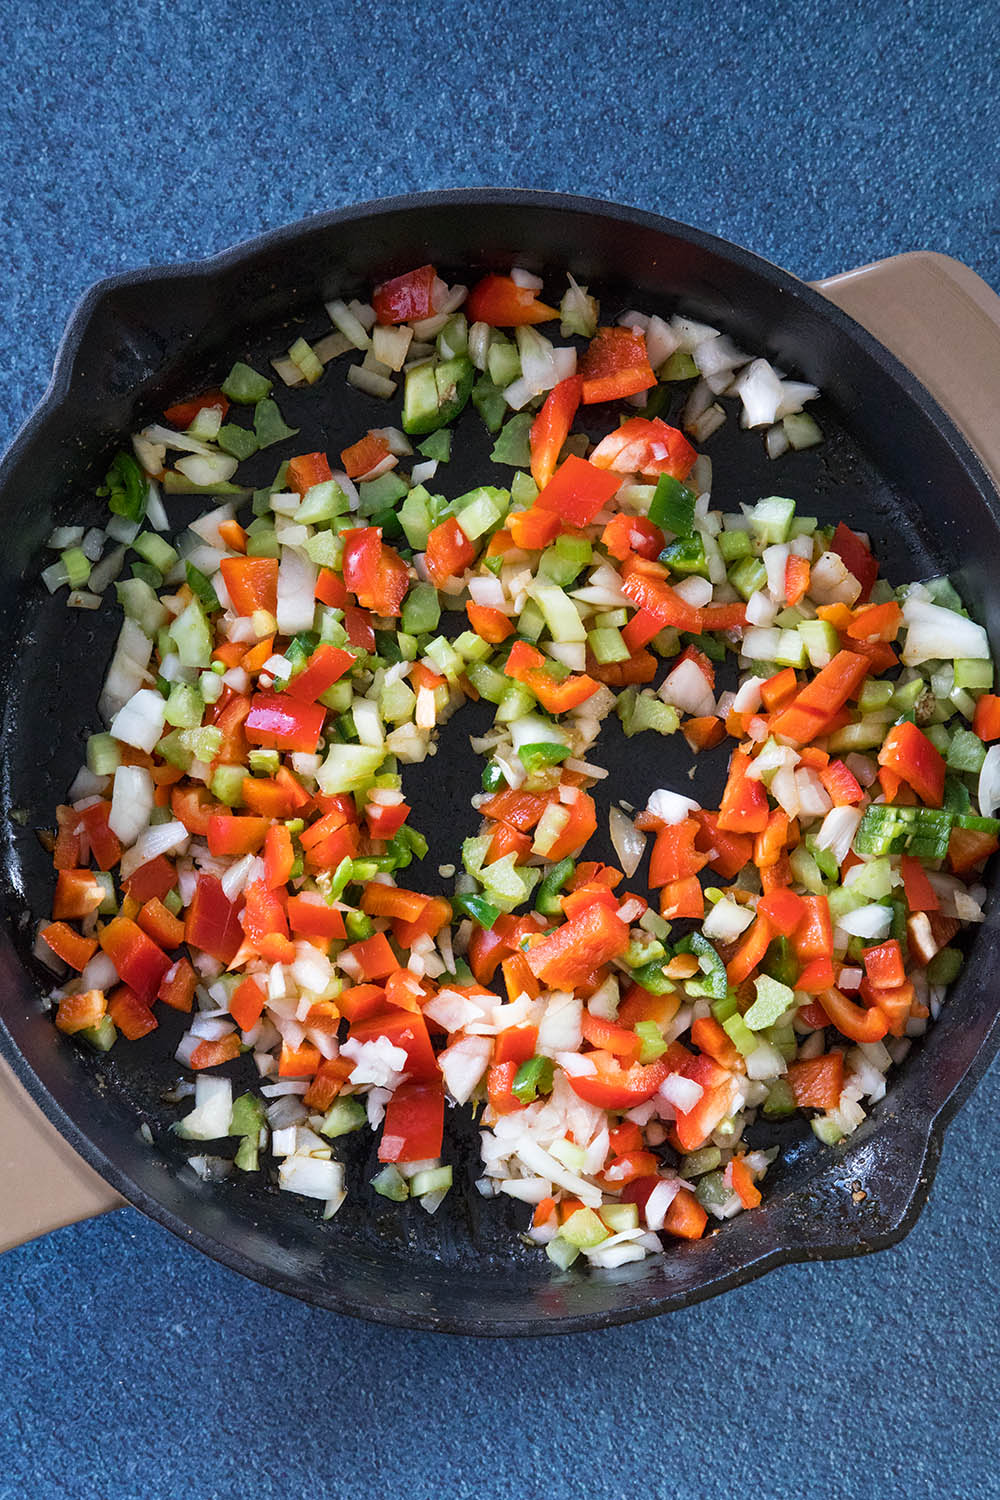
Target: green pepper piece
point(532, 1078)
point(476, 907)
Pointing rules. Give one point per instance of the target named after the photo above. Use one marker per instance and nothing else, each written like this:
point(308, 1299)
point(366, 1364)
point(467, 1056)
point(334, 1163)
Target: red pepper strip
point(920, 894)
point(797, 575)
point(856, 557)
point(449, 551)
point(986, 722)
point(817, 1082)
point(251, 583)
point(211, 923)
point(744, 807)
point(750, 952)
point(577, 491)
point(183, 413)
point(645, 584)
point(326, 666)
point(615, 365)
point(414, 1123)
point(139, 962)
point(306, 470)
point(279, 722)
point(811, 709)
point(499, 301)
point(569, 955)
point(66, 943)
point(843, 788)
point(908, 752)
point(406, 298)
point(674, 856)
point(852, 1020)
point(615, 1087)
point(550, 428)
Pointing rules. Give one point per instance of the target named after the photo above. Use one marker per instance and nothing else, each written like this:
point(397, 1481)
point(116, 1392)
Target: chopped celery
point(101, 1037)
point(185, 706)
point(503, 362)
point(773, 999)
point(344, 1116)
point(734, 545)
point(378, 494)
point(192, 636)
point(680, 366)
point(430, 1180)
point(248, 1116)
point(966, 752)
point(945, 966)
point(780, 1101)
point(739, 1034)
point(607, 645)
point(821, 641)
point(103, 755)
point(531, 621)
point(561, 614)
point(421, 609)
point(747, 576)
point(154, 549)
point(269, 426)
point(653, 1045)
point(238, 442)
point(771, 519)
point(390, 1183)
point(227, 784)
point(584, 1229)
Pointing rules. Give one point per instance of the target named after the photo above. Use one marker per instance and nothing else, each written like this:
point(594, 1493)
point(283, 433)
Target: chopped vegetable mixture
point(238, 847)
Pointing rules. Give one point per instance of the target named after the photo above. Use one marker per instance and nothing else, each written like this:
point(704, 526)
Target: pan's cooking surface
point(883, 467)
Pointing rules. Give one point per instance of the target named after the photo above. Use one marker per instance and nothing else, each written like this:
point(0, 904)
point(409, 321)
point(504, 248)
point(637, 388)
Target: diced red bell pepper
point(908, 752)
point(533, 529)
point(920, 894)
point(384, 820)
point(246, 1005)
point(499, 301)
point(404, 1029)
point(814, 935)
point(812, 708)
point(66, 943)
point(490, 625)
point(884, 965)
point(211, 923)
point(750, 952)
point(66, 853)
point(851, 1020)
point(406, 298)
point(228, 835)
point(330, 589)
point(817, 1082)
point(500, 1089)
point(727, 852)
point(131, 1015)
point(104, 845)
point(80, 1011)
point(373, 956)
point(521, 810)
point(580, 826)
point(674, 855)
point(374, 572)
point(645, 583)
point(326, 666)
point(280, 723)
point(311, 917)
point(613, 1087)
point(685, 1219)
point(178, 985)
point(682, 898)
point(160, 924)
point(155, 878)
point(251, 583)
point(359, 627)
point(709, 1037)
point(842, 786)
point(816, 976)
point(743, 1183)
point(577, 491)
point(139, 962)
point(798, 573)
point(986, 721)
point(875, 622)
point(777, 690)
point(570, 954)
point(306, 470)
point(449, 551)
point(615, 365)
point(695, 1125)
point(516, 1045)
point(550, 428)
point(744, 807)
point(379, 900)
point(640, 668)
point(299, 1062)
point(78, 893)
point(968, 848)
point(414, 1123)
point(607, 1036)
point(625, 534)
point(279, 857)
point(214, 1054)
point(856, 557)
point(183, 413)
point(784, 910)
point(645, 446)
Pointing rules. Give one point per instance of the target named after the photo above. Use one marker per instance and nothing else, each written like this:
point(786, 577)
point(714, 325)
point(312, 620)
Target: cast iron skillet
point(892, 464)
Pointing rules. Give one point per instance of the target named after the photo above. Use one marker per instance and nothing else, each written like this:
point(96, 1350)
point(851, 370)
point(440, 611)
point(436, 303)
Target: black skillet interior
point(891, 464)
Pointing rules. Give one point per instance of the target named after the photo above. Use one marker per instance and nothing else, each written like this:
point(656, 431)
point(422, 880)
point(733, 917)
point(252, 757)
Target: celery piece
point(437, 446)
point(304, 357)
point(472, 647)
point(185, 706)
point(974, 676)
point(791, 650)
point(747, 576)
point(680, 366)
point(337, 696)
point(322, 502)
point(734, 545)
point(712, 1191)
point(700, 1162)
point(247, 1157)
point(155, 551)
point(248, 1116)
point(245, 386)
point(503, 362)
point(584, 1229)
point(227, 784)
point(140, 604)
point(561, 1253)
point(653, 1045)
point(192, 636)
point(348, 768)
point(561, 614)
point(966, 752)
point(390, 1183)
point(397, 702)
point(324, 548)
point(607, 645)
point(773, 1000)
point(269, 425)
point(874, 694)
point(802, 430)
point(238, 442)
point(487, 681)
point(945, 966)
point(264, 762)
point(780, 1101)
point(513, 446)
point(203, 744)
point(262, 541)
point(523, 490)
point(739, 1034)
point(103, 755)
point(531, 621)
point(430, 1180)
point(771, 519)
point(101, 1037)
point(489, 401)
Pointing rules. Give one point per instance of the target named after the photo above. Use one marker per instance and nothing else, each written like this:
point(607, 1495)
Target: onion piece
point(629, 843)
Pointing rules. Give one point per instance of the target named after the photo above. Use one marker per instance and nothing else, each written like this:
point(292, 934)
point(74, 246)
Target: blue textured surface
point(129, 1365)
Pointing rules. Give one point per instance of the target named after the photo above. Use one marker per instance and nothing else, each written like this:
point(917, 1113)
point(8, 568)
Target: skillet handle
point(44, 1183)
point(942, 321)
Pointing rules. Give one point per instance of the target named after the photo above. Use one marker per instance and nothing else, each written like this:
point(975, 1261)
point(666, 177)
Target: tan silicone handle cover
point(938, 317)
